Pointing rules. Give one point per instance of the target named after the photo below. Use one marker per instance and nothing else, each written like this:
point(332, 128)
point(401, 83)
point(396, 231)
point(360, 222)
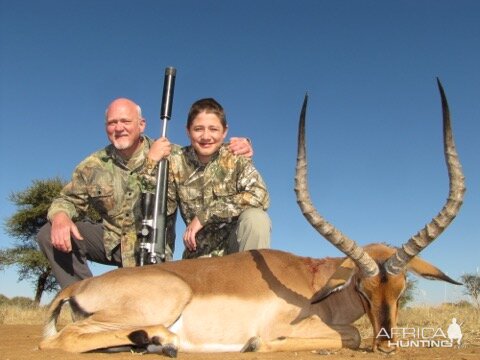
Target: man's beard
point(122, 144)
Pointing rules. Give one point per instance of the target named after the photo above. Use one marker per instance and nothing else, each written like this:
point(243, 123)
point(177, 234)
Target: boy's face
point(206, 135)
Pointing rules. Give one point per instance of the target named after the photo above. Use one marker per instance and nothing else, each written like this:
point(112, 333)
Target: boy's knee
point(255, 217)
point(254, 229)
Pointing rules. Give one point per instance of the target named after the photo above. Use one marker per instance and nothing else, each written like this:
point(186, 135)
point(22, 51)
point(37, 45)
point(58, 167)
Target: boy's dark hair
point(209, 105)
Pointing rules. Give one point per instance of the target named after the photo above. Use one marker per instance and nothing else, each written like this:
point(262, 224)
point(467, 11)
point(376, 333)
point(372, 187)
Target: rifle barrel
point(159, 231)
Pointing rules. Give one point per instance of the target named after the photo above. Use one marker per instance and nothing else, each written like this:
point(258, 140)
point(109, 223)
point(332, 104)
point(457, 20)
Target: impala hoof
point(139, 338)
point(170, 350)
point(252, 345)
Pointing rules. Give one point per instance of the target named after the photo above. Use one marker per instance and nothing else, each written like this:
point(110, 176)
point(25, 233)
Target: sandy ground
point(19, 342)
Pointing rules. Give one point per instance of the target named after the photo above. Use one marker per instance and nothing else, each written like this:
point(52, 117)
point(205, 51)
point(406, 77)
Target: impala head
point(377, 271)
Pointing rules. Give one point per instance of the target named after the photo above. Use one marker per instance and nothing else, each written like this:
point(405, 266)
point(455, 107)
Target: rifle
point(153, 233)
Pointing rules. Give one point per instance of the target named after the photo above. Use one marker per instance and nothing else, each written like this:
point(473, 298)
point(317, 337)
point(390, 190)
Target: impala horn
point(398, 261)
point(327, 230)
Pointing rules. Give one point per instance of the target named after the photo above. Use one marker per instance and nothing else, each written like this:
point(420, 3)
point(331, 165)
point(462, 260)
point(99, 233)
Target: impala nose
point(385, 347)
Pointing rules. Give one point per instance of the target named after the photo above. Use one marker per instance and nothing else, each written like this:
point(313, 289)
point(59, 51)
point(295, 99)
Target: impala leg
point(88, 335)
point(309, 334)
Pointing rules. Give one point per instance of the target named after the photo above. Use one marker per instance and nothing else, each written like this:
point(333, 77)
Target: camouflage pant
point(251, 230)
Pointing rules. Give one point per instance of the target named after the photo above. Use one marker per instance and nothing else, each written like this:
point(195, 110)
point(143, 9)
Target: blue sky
point(376, 166)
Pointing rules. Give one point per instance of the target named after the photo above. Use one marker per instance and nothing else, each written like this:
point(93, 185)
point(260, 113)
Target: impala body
point(259, 300)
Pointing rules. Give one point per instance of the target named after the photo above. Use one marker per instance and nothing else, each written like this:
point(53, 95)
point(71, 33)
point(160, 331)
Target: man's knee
point(43, 236)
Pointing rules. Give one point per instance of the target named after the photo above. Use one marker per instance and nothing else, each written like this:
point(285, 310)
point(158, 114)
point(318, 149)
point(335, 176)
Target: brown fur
point(259, 300)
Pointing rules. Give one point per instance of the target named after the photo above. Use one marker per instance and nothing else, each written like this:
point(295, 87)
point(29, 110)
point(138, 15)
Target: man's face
point(124, 126)
point(206, 134)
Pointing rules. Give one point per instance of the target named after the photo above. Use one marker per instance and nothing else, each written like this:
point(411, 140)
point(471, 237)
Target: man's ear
point(337, 282)
point(143, 123)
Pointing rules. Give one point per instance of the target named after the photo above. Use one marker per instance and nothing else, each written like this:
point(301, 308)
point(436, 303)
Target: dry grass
point(28, 315)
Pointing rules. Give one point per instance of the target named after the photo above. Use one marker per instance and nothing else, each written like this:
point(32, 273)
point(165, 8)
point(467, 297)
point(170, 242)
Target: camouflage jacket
point(112, 187)
point(217, 193)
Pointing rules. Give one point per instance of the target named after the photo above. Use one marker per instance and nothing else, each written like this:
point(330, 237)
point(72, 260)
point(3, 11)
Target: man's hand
point(190, 233)
point(62, 228)
point(241, 146)
point(160, 149)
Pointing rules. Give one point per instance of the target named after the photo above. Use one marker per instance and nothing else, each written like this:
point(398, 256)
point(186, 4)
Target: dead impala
point(261, 300)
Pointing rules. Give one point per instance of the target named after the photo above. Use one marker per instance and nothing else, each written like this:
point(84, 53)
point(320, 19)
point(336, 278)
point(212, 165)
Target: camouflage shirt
point(112, 186)
point(217, 193)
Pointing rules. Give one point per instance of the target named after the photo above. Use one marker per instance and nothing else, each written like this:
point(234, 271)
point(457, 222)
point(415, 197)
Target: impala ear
point(337, 282)
point(425, 269)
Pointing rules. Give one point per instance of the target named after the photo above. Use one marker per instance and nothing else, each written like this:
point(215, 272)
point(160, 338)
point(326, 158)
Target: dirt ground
point(19, 342)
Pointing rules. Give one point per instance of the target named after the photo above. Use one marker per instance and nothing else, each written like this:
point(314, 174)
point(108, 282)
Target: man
point(110, 181)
